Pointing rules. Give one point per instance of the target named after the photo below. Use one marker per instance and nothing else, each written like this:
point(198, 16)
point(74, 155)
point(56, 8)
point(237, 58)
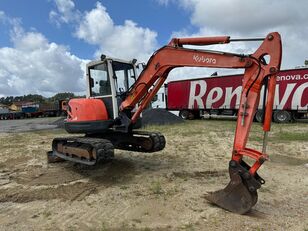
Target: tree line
point(38, 98)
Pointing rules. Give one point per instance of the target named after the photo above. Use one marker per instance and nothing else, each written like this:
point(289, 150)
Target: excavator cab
point(108, 80)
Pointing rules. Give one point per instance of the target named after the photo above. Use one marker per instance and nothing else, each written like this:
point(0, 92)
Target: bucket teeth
point(240, 195)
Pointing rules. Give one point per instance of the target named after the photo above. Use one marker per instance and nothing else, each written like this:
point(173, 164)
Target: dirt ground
point(159, 191)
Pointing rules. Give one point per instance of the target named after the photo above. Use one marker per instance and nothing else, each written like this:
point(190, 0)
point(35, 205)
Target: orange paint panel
point(87, 110)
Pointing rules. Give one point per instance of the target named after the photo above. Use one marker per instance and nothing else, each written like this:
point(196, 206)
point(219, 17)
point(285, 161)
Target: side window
point(99, 81)
point(124, 76)
point(131, 77)
point(120, 80)
point(139, 68)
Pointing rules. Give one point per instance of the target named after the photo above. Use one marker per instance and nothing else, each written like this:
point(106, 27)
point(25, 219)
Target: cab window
point(124, 76)
point(99, 80)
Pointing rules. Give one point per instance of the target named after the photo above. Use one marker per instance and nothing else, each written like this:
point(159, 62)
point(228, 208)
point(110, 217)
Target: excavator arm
point(241, 193)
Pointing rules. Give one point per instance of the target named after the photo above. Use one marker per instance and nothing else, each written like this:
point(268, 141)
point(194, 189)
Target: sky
point(45, 44)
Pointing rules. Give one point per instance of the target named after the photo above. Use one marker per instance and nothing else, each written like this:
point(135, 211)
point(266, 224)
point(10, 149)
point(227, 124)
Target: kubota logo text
point(204, 59)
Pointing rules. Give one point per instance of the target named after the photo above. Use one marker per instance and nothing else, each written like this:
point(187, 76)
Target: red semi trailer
point(220, 95)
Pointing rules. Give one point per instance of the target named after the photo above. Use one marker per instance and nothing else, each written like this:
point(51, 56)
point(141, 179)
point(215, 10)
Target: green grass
point(47, 214)
point(204, 129)
point(290, 136)
point(189, 227)
point(156, 188)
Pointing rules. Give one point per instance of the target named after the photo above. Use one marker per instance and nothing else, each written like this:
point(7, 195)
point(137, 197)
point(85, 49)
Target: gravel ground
point(159, 117)
point(24, 125)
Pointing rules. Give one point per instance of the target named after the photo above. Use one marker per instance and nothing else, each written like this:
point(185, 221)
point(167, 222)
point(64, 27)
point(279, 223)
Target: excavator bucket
point(240, 195)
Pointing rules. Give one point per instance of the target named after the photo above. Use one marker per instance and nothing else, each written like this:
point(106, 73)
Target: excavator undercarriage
point(93, 149)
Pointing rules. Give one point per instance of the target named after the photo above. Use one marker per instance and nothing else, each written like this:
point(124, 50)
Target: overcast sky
point(45, 44)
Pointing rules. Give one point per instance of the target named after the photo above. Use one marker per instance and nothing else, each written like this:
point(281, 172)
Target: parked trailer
point(31, 111)
point(56, 108)
point(220, 95)
point(35, 110)
point(48, 109)
point(10, 115)
point(27, 111)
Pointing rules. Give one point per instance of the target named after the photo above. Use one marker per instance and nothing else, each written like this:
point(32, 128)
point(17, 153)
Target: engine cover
point(87, 116)
point(86, 110)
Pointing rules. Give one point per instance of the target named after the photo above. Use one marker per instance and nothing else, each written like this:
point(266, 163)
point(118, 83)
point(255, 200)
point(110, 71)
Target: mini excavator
point(109, 117)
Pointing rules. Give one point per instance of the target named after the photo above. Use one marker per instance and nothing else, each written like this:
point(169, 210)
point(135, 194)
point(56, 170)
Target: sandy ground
point(159, 191)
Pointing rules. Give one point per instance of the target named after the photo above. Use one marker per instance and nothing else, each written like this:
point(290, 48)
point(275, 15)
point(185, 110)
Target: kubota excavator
point(110, 114)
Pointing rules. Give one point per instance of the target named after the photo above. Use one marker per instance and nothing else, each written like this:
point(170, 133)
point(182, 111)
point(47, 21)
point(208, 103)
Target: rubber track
point(104, 149)
point(159, 141)
point(105, 144)
point(138, 141)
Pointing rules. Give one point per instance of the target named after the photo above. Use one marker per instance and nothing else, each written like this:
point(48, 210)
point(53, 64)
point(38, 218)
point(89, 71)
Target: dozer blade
point(240, 195)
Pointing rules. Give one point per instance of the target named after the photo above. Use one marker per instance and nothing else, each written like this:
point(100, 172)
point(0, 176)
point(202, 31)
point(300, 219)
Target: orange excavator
point(109, 117)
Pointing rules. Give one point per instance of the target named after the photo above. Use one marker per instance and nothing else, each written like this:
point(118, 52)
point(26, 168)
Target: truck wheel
point(258, 116)
point(186, 115)
point(281, 116)
point(298, 116)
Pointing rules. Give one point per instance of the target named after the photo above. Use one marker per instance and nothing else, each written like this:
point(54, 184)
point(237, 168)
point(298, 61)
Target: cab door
point(101, 85)
point(124, 78)
point(110, 80)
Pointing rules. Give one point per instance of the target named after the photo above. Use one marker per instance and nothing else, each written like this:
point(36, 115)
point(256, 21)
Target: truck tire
point(297, 117)
point(259, 116)
point(186, 115)
point(282, 116)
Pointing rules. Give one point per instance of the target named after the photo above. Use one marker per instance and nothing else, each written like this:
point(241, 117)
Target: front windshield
point(124, 76)
point(99, 81)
